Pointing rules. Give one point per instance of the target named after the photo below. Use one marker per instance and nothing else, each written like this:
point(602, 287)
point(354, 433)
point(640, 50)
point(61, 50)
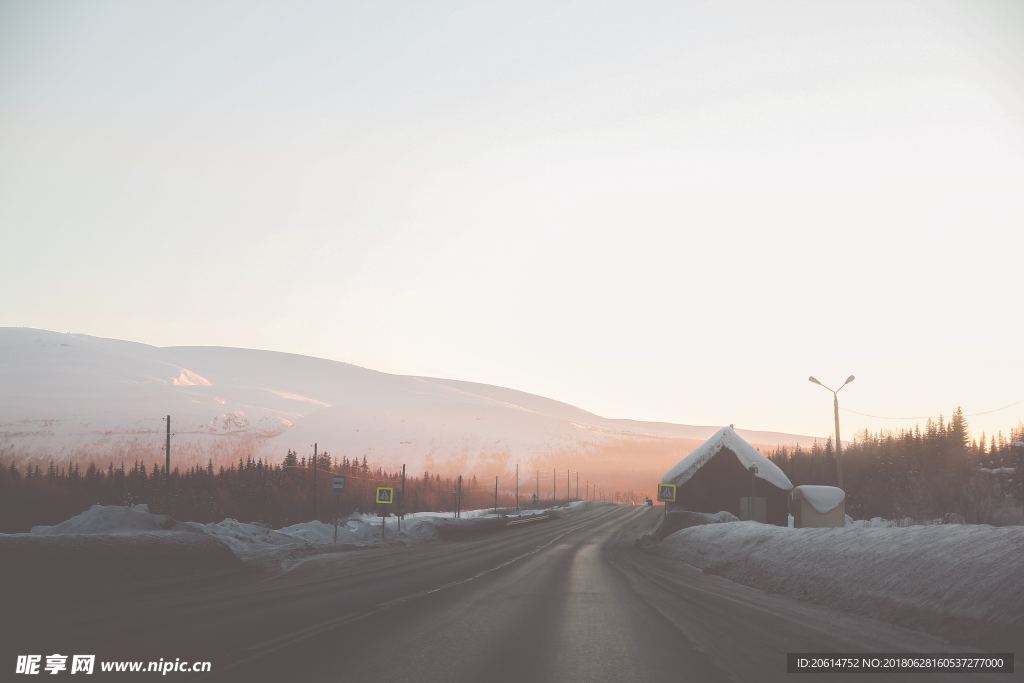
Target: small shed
point(818, 506)
point(726, 473)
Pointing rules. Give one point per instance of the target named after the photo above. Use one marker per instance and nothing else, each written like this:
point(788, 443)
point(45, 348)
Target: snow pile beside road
point(360, 530)
point(256, 542)
point(112, 545)
point(717, 517)
point(675, 520)
point(416, 526)
point(873, 523)
point(250, 541)
point(110, 519)
point(949, 577)
point(315, 532)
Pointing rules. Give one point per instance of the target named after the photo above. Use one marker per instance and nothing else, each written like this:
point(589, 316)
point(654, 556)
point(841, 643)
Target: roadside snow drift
point(131, 542)
point(675, 520)
point(107, 519)
point(953, 579)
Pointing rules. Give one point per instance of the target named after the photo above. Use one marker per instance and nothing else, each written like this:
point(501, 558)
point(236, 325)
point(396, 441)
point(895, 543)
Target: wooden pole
point(401, 502)
point(517, 487)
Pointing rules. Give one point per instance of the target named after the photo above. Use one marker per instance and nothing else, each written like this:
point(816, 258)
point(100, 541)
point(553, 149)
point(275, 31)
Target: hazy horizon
point(670, 212)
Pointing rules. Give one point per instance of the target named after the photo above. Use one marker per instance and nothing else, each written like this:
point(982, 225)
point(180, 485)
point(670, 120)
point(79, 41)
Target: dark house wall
point(720, 484)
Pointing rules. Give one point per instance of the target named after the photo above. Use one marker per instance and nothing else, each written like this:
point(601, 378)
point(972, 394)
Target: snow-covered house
point(818, 506)
point(727, 473)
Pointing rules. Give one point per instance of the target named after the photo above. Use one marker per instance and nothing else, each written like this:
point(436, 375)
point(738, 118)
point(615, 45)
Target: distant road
point(571, 599)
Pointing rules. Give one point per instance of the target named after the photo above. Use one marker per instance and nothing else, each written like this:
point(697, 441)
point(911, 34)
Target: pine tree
point(957, 430)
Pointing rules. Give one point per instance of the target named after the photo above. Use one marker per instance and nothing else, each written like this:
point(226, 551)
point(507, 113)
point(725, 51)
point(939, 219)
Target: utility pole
point(167, 451)
point(495, 494)
point(401, 502)
point(167, 465)
point(315, 463)
point(458, 497)
point(517, 487)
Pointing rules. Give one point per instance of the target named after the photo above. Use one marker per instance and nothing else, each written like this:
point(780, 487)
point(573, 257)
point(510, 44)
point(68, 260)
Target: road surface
point(570, 599)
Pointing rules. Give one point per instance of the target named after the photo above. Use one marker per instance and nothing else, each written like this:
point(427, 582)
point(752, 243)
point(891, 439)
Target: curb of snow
point(956, 580)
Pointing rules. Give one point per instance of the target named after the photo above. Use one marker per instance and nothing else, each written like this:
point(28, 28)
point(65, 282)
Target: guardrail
point(528, 520)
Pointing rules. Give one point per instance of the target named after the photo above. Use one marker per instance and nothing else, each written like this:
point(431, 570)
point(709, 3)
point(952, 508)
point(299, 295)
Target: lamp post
point(835, 407)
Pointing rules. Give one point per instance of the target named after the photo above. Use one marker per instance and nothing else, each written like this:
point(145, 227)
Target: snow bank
point(251, 541)
point(365, 529)
point(823, 499)
point(110, 519)
point(110, 545)
point(726, 437)
point(683, 519)
point(873, 523)
point(256, 542)
point(997, 470)
point(719, 517)
point(947, 578)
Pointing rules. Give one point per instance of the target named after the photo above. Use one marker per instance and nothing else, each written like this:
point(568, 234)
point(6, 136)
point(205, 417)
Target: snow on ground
point(948, 578)
point(997, 470)
point(71, 395)
point(107, 519)
point(250, 541)
point(365, 529)
point(256, 542)
point(874, 523)
point(712, 518)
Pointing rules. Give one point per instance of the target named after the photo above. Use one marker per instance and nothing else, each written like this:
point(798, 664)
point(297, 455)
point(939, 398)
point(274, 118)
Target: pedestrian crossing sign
point(385, 495)
point(667, 493)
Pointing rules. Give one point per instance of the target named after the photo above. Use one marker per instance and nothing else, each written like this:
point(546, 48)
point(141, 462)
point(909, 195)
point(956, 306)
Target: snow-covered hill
point(70, 395)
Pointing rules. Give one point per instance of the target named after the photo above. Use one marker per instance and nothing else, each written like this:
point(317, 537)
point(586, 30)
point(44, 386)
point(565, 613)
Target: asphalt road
point(570, 599)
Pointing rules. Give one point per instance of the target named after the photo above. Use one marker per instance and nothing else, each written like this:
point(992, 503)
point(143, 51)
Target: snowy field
point(953, 578)
point(253, 542)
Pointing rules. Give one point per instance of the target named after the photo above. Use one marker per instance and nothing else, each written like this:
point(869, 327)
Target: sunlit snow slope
point(69, 395)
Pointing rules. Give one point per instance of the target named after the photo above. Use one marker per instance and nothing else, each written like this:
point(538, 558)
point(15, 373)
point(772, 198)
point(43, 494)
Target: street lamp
point(835, 407)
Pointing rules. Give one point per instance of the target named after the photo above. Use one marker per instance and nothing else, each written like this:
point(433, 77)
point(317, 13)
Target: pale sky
point(658, 210)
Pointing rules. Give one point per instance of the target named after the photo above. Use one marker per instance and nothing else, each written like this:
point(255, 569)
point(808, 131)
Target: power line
point(931, 417)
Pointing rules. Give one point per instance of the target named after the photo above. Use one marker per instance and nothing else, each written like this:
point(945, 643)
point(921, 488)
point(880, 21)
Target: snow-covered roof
point(726, 437)
point(824, 499)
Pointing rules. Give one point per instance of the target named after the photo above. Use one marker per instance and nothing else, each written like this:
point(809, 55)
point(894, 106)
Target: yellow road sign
point(385, 495)
point(667, 493)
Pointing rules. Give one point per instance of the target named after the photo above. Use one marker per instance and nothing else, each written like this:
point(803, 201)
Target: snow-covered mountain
point(71, 395)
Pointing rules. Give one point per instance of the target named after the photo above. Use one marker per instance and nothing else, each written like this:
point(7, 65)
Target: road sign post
point(385, 496)
point(667, 494)
point(337, 485)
